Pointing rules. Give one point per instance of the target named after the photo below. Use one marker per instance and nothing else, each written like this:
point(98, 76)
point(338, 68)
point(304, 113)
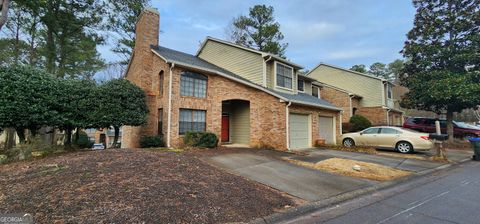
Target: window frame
point(389, 91)
point(161, 78)
point(192, 121)
point(318, 91)
point(194, 84)
point(276, 76)
point(363, 132)
point(303, 85)
point(397, 132)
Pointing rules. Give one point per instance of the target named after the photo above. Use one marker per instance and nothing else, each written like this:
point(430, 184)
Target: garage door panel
point(299, 131)
point(326, 129)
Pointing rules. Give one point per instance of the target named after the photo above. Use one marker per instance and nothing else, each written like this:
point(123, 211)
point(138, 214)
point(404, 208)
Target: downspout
point(287, 122)
point(169, 116)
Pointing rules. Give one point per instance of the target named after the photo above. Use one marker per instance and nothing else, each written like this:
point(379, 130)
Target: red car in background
point(427, 125)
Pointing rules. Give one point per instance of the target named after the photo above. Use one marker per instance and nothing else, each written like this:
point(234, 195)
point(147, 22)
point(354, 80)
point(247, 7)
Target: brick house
point(244, 96)
point(359, 93)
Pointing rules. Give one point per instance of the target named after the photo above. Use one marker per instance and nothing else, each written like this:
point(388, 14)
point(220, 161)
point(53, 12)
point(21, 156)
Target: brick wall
point(376, 115)
point(338, 98)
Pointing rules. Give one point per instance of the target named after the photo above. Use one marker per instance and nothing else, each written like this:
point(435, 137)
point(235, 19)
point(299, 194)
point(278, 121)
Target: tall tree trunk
point(450, 125)
point(33, 34)
point(77, 134)
point(10, 138)
point(21, 135)
point(3, 12)
point(68, 137)
point(115, 139)
point(50, 66)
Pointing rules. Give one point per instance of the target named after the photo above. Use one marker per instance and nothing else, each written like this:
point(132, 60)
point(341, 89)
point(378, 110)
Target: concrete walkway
point(308, 184)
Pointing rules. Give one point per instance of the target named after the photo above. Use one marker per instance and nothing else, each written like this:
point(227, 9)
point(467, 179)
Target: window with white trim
point(316, 91)
point(192, 120)
point(389, 91)
point(193, 84)
point(301, 85)
point(284, 76)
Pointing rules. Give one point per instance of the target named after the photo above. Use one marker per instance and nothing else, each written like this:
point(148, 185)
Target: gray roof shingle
point(185, 59)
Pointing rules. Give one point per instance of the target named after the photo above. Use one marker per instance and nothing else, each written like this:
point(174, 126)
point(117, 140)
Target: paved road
point(447, 197)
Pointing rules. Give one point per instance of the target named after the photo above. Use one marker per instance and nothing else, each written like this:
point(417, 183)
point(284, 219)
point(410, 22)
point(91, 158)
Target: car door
point(388, 137)
point(369, 136)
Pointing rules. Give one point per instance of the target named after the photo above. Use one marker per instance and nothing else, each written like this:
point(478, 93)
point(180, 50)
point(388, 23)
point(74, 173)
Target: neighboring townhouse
point(246, 97)
point(359, 93)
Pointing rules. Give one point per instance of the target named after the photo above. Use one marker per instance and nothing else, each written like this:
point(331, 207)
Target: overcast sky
point(339, 32)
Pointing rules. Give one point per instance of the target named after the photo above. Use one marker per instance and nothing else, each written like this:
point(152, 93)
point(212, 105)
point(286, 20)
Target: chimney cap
point(154, 10)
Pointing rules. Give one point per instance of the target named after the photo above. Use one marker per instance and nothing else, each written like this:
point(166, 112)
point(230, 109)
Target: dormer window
point(316, 91)
point(301, 85)
point(284, 76)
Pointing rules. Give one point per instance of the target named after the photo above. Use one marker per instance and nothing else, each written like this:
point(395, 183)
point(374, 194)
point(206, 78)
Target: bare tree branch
point(4, 12)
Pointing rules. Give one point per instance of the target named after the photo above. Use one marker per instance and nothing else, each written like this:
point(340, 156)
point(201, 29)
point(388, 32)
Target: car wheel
point(348, 142)
point(404, 147)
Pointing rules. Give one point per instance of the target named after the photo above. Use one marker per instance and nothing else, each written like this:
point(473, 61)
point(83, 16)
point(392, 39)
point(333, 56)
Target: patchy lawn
point(132, 186)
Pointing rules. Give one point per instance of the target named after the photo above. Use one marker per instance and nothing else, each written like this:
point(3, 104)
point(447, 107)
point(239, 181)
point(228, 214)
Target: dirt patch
point(132, 186)
point(360, 149)
point(345, 167)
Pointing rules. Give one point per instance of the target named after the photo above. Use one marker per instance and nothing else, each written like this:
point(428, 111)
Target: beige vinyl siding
point(240, 123)
point(308, 87)
point(241, 62)
point(271, 78)
point(369, 88)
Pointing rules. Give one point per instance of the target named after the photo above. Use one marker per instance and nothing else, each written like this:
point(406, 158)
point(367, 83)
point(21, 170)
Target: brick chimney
point(146, 31)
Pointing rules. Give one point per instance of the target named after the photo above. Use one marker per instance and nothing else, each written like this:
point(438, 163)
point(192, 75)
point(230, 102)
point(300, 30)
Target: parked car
point(427, 125)
point(387, 137)
point(98, 146)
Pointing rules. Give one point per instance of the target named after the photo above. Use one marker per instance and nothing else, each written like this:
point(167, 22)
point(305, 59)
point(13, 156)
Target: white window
point(192, 120)
point(284, 76)
point(193, 84)
point(389, 91)
point(301, 85)
point(316, 91)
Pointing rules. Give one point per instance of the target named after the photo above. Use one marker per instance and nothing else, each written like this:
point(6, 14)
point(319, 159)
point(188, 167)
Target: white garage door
point(326, 129)
point(299, 134)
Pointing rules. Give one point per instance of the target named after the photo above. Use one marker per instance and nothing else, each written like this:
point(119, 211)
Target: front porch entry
point(235, 122)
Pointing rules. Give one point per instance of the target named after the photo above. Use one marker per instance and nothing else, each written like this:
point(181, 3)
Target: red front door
point(225, 128)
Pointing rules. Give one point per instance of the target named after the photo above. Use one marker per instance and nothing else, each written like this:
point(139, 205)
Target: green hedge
point(151, 141)
point(82, 141)
point(201, 139)
point(358, 123)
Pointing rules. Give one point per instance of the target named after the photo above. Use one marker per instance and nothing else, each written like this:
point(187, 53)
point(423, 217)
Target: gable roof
point(263, 54)
point(193, 62)
point(350, 71)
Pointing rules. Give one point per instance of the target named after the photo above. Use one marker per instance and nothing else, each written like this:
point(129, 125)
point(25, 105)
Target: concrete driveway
point(308, 184)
